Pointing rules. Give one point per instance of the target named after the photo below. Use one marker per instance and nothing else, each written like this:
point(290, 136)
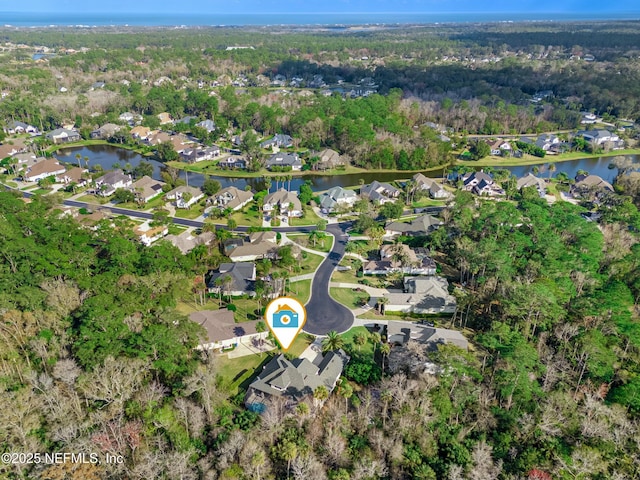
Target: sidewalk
point(299, 278)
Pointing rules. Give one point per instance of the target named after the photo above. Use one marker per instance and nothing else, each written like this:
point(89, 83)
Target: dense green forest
point(95, 358)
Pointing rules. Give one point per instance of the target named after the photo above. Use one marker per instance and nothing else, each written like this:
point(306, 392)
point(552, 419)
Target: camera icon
point(285, 317)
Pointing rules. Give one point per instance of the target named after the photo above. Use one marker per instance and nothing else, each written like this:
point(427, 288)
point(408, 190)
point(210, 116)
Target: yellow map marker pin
point(285, 317)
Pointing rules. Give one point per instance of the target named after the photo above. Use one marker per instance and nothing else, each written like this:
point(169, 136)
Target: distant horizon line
point(271, 12)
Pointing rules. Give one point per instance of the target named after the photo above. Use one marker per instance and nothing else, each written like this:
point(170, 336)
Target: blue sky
point(306, 6)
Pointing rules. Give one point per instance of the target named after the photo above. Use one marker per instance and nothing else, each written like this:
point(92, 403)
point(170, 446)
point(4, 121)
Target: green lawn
point(427, 202)
point(236, 374)
point(249, 217)
point(190, 213)
point(232, 372)
point(309, 218)
point(41, 191)
point(310, 262)
point(366, 349)
point(300, 290)
point(348, 297)
point(93, 199)
point(175, 229)
point(303, 240)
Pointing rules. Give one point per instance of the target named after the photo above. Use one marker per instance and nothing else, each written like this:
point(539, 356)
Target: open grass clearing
point(350, 345)
point(349, 297)
point(300, 290)
point(249, 217)
point(304, 240)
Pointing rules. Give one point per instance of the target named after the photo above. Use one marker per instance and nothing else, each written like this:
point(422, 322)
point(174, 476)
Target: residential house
point(208, 125)
point(418, 227)
point(547, 142)
point(403, 359)
point(180, 142)
point(108, 183)
point(294, 381)
point(587, 185)
point(231, 197)
point(336, 197)
point(603, 138)
point(92, 220)
point(148, 235)
point(23, 158)
point(530, 180)
point(400, 333)
point(108, 130)
point(97, 85)
point(8, 150)
point(481, 183)
point(75, 175)
point(279, 140)
point(43, 169)
point(146, 188)
point(232, 162)
point(379, 192)
point(198, 154)
point(411, 262)
point(260, 245)
point(241, 278)
point(598, 137)
point(221, 330)
point(157, 138)
point(286, 202)
point(429, 184)
point(140, 132)
point(63, 135)
point(164, 118)
point(500, 146)
point(588, 118)
point(329, 159)
point(20, 128)
point(178, 194)
point(186, 120)
point(130, 118)
point(428, 294)
point(186, 242)
point(284, 160)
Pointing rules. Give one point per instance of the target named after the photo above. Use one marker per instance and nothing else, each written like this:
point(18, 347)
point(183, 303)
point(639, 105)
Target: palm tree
point(551, 169)
point(382, 301)
point(78, 157)
point(86, 162)
point(360, 339)
point(386, 398)
point(321, 393)
point(385, 348)
point(346, 392)
point(332, 342)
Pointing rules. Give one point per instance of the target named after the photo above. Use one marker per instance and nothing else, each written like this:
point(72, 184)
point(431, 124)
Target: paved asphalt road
point(323, 312)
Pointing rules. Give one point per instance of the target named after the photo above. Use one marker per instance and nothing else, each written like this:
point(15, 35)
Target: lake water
point(108, 156)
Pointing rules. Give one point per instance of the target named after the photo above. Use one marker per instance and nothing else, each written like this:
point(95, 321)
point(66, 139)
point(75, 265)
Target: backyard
point(236, 373)
point(349, 297)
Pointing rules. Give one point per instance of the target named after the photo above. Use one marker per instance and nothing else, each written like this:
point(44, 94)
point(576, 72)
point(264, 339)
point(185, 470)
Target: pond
point(109, 156)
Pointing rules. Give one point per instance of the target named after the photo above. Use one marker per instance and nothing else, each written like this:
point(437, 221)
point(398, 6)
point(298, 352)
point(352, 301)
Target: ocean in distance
point(87, 20)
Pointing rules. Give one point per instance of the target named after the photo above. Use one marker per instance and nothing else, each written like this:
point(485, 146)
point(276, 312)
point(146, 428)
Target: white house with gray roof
point(286, 201)
point(429, 184)
point(379, 192)
point(429, 294)
point(335, 197)
point(108, 183)
point(284, 160)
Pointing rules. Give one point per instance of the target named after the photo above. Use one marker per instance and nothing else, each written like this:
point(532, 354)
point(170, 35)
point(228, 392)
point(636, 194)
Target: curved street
point(323, 312)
